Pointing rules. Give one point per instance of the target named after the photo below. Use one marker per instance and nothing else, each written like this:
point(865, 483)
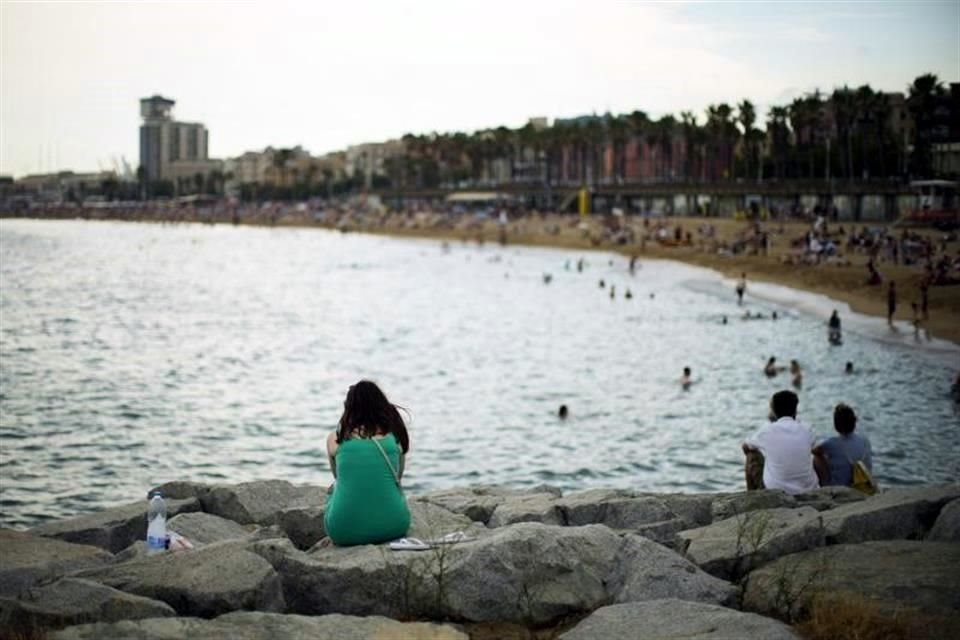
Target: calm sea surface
point(133, 354)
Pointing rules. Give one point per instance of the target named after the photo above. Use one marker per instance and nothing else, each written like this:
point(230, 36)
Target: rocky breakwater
point(591, 564)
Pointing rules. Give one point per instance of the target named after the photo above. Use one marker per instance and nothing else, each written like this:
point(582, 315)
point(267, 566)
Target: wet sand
point(842, 283)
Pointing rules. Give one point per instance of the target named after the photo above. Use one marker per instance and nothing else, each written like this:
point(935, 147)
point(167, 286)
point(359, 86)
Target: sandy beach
point(842, 278)
point(842, 282)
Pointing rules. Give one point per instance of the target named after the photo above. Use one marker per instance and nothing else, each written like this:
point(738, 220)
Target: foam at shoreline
point(821, 306)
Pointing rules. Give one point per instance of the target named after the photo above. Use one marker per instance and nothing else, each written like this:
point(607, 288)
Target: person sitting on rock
point(841, 451)
point(367, 454)
point(779, 454)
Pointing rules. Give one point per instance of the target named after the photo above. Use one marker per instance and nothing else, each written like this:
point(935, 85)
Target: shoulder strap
point(386, 458)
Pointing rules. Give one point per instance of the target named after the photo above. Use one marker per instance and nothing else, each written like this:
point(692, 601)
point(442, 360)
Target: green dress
point(366, 506)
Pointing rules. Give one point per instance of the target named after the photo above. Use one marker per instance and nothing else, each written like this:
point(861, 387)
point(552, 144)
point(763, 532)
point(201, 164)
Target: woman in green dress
point(367, 454)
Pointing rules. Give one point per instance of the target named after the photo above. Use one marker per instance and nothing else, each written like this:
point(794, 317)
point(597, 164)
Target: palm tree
point(619, 130)
point(722, 134)
point(924, 94)
point(807, 125)
point(747, 116)
point(846, 115)
point(778, 134)
point(688, 126)
point(665, 128)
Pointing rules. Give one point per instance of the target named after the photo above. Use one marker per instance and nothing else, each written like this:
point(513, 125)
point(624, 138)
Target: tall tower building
point(169, 148)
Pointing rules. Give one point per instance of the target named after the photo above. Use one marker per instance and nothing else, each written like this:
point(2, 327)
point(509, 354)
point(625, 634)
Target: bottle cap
point(154, 492)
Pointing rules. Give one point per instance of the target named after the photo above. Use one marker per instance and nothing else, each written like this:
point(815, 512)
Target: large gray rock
point(615, 509)
point(896, 514)
point(430, 521)
point(26, 560)
point(303, 525)
point(947, 526)
point(739, 503)
point(529, 573)
point(732, 547)
point(182, 489)
point(249, 625)
point(205, 528)
point(479, 502)
point(645, 570)
point(533, 507)
point(260, 502)
point(476, 503)
point(829, 497)
point(695, 509)
point(899, 573)
point(672, 618)
point(665, 532)
point(114, 529)
point(624, 510)
point(74, 601)
point(203, 582)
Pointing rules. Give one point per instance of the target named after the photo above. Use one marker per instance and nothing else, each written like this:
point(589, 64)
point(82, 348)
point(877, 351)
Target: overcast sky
point(328, 74)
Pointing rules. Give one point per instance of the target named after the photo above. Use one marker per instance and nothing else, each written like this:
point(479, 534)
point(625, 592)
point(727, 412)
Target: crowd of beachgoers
point(855, 262)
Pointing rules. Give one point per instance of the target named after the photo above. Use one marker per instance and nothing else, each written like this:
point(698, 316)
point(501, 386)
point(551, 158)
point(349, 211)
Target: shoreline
point(845, 284)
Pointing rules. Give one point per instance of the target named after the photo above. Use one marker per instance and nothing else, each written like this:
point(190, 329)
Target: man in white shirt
point(785, 447)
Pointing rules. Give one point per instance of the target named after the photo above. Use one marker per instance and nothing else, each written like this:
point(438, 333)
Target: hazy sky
point(328, 74)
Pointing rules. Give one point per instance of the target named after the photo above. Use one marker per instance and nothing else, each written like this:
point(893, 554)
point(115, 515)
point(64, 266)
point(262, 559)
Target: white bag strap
point(386, 458)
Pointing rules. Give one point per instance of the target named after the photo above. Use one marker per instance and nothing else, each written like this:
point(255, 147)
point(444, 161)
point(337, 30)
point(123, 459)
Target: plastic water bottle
point(156, 524)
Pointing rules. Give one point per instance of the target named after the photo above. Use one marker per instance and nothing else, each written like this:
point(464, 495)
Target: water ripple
point(159, 355)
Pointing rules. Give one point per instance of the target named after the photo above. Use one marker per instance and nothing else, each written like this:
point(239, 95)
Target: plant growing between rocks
point(421, 581)
point(851, 616)
point(753, 528)
point(791, 590)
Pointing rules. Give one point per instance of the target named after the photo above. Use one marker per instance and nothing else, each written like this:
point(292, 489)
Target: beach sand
point(842, 283)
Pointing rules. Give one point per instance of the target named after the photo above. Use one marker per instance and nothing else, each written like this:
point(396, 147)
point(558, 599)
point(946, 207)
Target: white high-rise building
point(170, 149)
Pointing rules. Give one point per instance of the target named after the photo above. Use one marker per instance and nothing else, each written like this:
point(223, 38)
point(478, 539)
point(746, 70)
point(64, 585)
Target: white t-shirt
point(788, 463)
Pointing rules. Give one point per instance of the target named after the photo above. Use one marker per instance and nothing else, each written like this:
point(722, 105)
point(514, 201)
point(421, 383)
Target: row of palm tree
point(849, 134)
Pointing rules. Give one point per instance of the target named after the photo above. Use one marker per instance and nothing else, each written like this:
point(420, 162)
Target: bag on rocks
point(861, 480)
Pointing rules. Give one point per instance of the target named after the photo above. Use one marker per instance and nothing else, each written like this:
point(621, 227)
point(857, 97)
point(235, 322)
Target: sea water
point(132, 354)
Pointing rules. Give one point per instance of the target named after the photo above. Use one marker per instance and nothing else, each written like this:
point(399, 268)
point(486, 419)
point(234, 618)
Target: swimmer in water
point(686, 380)
point(723, 320)
point(797, 374)
point(602, 284)
point(774, 316)
point(772, 369)
point(848, 369)
point(562, 412)
point(628, 295)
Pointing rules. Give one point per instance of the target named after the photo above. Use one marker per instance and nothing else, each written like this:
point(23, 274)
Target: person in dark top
point(835, 320)
point(842, 450)
point(924, 299)
point(741, 287)
point(834, 334)
point(891, 302)
point(772, 368)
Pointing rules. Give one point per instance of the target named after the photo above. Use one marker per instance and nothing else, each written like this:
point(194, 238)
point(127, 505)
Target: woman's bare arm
point(332, 452)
